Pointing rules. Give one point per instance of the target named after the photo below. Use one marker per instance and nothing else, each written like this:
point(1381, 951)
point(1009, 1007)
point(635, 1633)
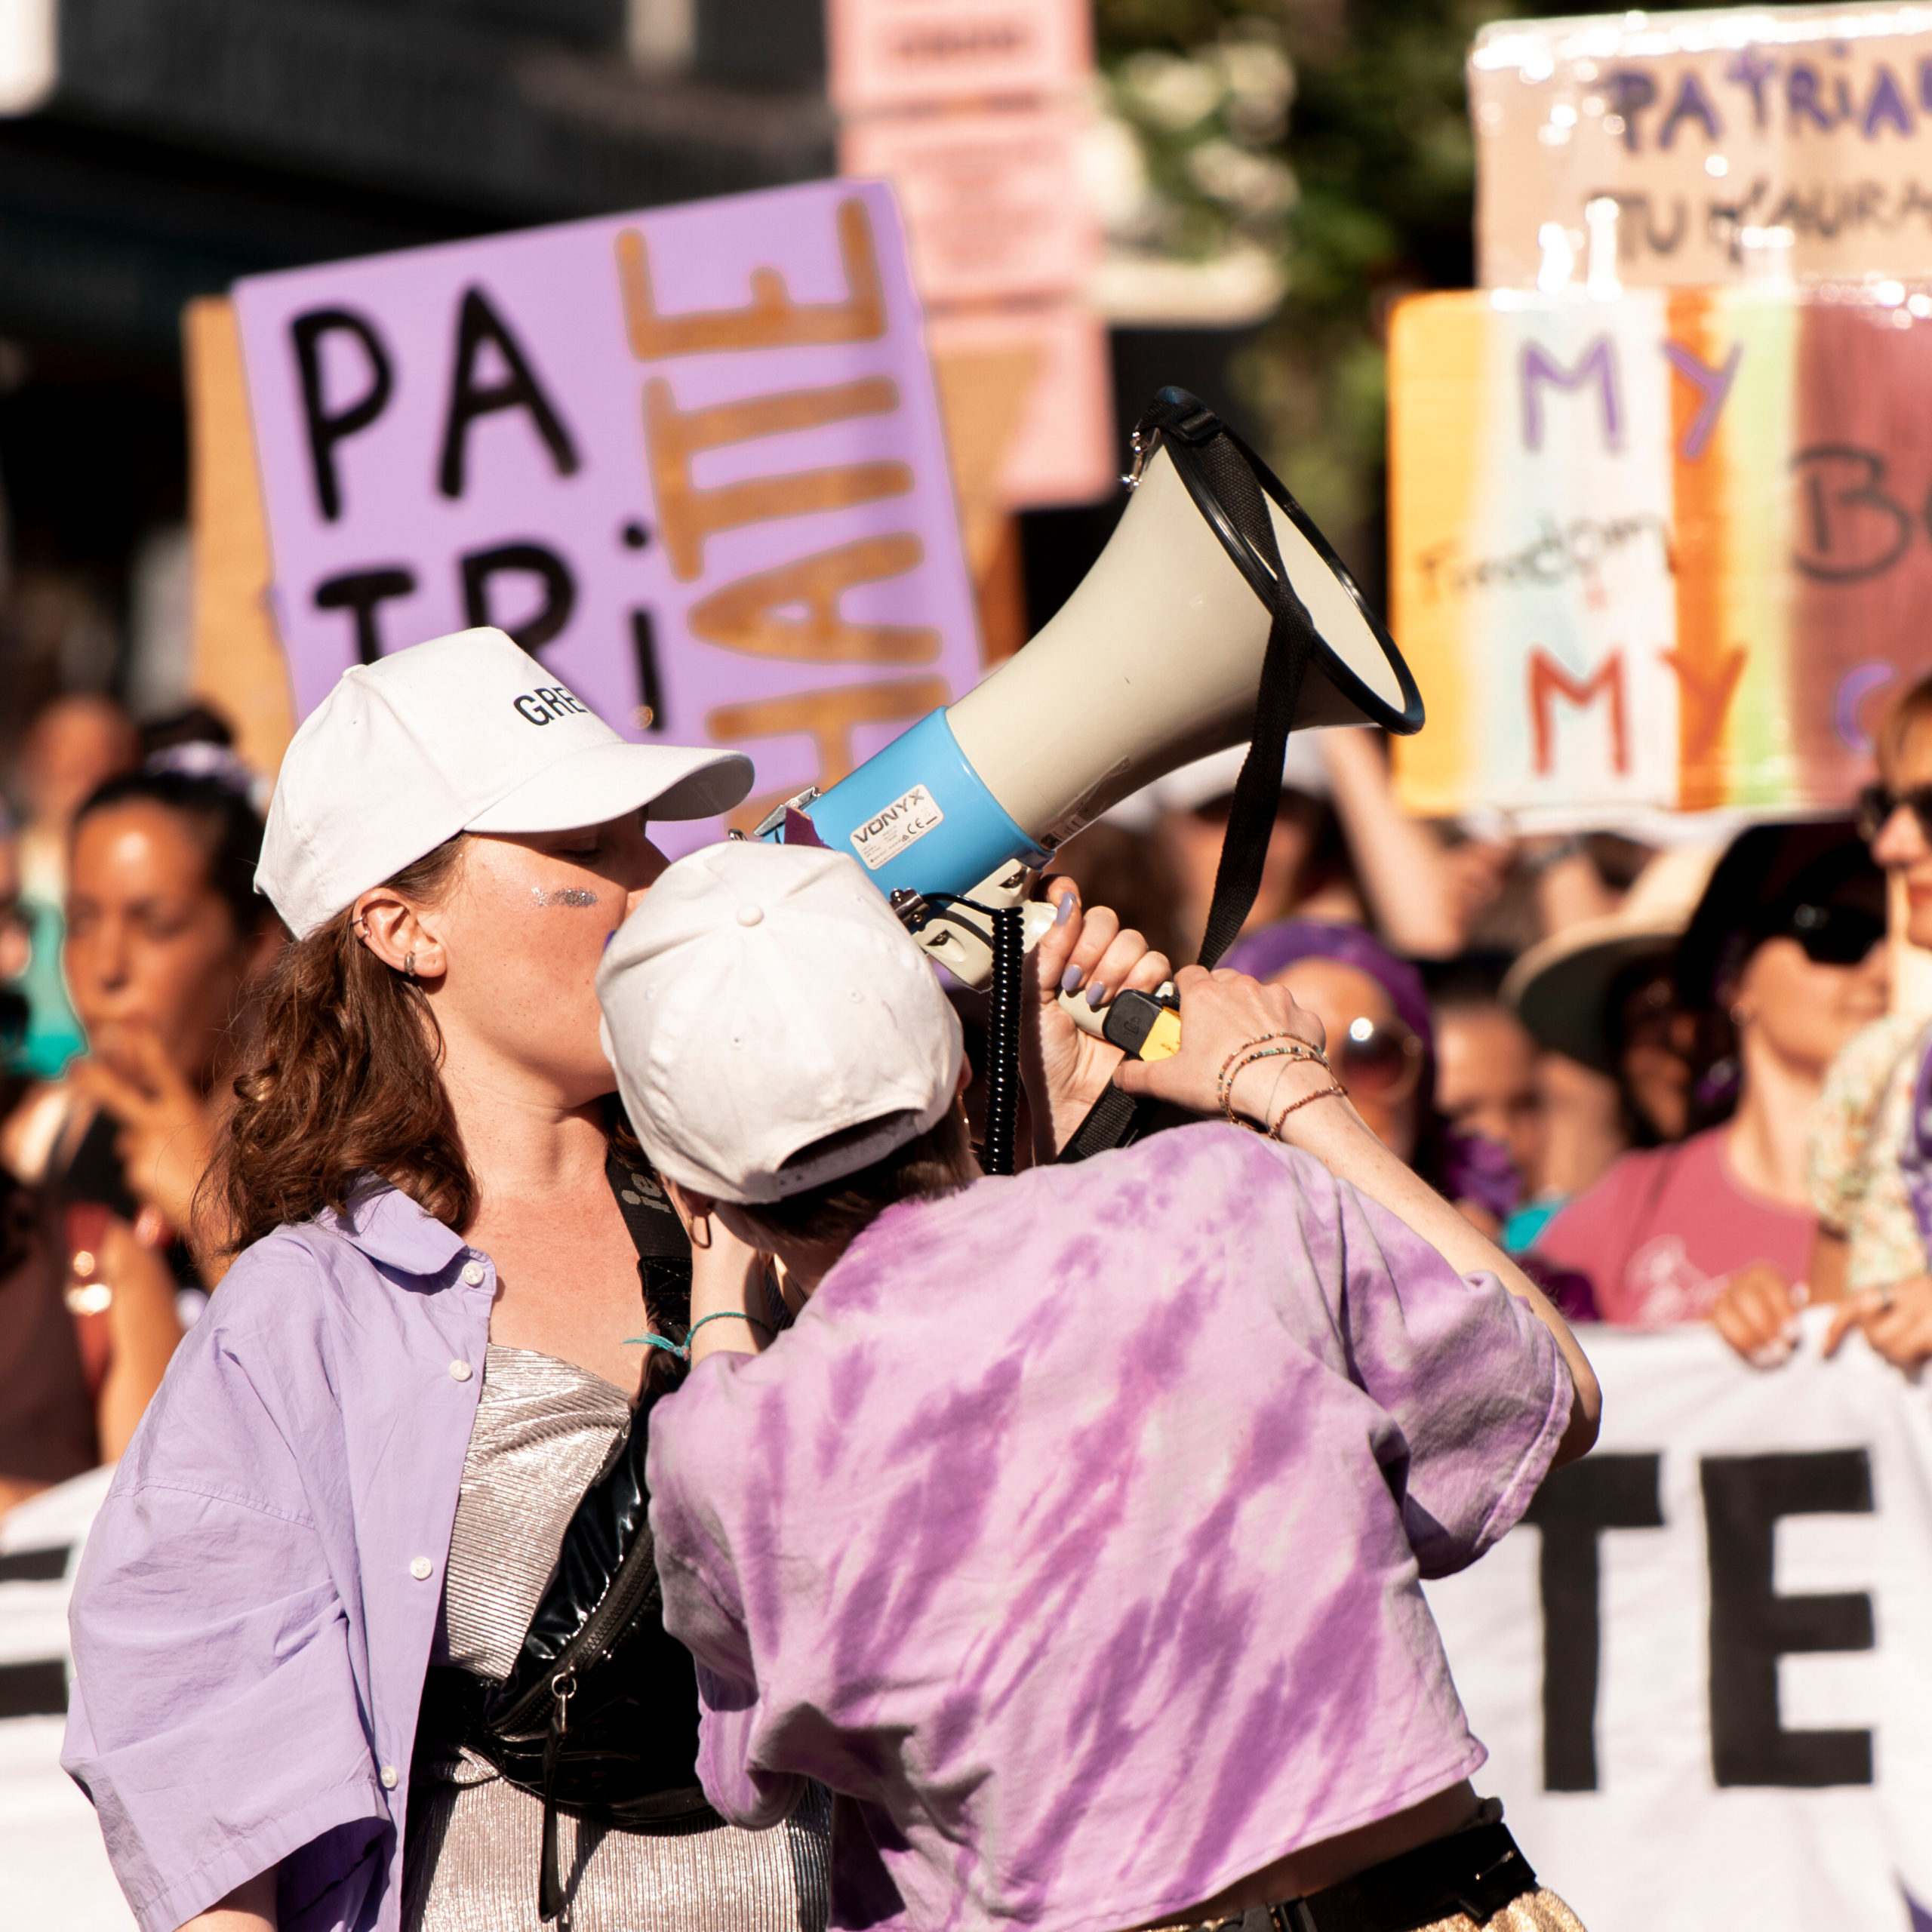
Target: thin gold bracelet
point(1247, 1060)
point(1335, 1088)
point(1297, 1049)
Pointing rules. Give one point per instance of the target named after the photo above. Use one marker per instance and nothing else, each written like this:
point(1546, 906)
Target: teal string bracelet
point(682, 1350)
point(727, 1315)
point(677, 1348)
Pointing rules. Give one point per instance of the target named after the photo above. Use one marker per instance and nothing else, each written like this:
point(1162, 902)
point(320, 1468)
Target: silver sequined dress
point(544, 1429)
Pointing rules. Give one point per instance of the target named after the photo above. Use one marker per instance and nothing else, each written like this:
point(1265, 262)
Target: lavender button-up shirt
point(253, 1617)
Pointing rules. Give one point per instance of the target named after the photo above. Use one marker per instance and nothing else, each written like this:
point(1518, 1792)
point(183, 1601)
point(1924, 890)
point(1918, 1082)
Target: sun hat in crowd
point(1814, 882)
point(764, 997)
point(463, 734)
point(1560, 988)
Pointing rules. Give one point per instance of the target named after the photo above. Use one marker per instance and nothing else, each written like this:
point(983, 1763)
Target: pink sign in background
point(693, 455)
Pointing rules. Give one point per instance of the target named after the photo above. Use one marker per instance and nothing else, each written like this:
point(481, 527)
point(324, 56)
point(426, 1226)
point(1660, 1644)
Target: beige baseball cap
point(463, 734)
point(764, 997)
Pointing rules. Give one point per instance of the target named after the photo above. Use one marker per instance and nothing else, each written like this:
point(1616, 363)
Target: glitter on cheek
point(567, 896)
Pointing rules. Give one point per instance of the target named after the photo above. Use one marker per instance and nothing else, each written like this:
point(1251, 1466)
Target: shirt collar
point(385, 1224)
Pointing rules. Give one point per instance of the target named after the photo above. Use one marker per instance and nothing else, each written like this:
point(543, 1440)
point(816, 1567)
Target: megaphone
point(1156, 659)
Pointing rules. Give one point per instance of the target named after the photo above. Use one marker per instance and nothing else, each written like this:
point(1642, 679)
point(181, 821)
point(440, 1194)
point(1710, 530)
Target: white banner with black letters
point(1703, 1664)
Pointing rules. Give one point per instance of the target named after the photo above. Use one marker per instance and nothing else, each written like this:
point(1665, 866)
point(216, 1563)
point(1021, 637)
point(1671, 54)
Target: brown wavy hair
point(345, 1081)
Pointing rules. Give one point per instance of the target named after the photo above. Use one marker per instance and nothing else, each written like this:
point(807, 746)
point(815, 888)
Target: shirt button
point(421, 1568)
point(459, 1371)
point(388, 1775)
point(473, 1273)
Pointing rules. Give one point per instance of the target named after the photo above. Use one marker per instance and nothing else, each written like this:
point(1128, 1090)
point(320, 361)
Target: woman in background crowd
point(167, 945)
point(1786, 947)
point(1871, 1171)
point(1487, 1085)
point(1600, 998)
point(74, 746)
point(1375, 1011)
point(81, 1352)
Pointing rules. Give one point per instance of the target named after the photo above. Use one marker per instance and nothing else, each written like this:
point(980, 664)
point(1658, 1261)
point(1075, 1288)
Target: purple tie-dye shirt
point(1073, 1535)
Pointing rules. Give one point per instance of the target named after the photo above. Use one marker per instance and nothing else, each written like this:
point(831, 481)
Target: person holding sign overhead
point(367, 1632)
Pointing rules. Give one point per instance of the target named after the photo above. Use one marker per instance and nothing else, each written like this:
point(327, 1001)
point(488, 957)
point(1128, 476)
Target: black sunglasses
point(1877, 803)
point(1834, 935)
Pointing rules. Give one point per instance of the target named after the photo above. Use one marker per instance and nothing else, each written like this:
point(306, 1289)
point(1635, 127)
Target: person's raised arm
point(1223, 1011)
point(1404, 872)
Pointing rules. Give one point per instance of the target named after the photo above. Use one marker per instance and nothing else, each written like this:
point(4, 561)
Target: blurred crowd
point(1672, 1079)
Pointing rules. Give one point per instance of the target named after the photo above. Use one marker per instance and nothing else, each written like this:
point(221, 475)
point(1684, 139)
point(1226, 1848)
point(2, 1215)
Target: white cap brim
point(600, 782)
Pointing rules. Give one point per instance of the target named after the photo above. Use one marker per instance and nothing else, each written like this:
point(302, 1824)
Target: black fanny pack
point(598, 1717)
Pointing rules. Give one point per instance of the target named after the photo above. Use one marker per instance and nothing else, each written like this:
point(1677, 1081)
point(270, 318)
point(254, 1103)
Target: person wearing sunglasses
point(1382, 1040)
point(1783, 960)
point(1870, 1159)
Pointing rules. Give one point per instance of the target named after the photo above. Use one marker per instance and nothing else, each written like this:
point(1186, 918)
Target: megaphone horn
point(1156, 660)
point(1217, 612)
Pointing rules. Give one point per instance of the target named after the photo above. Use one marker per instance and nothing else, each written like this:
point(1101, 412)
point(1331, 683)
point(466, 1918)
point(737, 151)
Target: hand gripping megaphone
point(1217, 612)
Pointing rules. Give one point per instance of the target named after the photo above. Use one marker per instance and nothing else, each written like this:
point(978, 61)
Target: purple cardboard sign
point(692, 457)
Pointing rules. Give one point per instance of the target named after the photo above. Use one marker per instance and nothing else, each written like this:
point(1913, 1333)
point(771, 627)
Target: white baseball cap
point(463, 734)
point(763, 998)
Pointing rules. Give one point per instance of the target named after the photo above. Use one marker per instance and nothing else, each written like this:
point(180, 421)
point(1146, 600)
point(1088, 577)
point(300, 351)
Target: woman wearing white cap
point(354, 1645)
point(1074, 1534)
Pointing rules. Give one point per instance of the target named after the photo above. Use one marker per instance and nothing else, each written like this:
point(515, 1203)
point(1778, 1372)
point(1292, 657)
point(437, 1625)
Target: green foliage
point(1378, 150)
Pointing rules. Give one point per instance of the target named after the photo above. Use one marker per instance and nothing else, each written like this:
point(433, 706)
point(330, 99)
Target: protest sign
point(1734, 141)
point(1702, 1664)
point(1669, 550)
point(54, 1867)
point(976, 111)
point(692, 456)
point(898, 53)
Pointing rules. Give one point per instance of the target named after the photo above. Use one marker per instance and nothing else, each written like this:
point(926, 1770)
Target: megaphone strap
point(1229, 466)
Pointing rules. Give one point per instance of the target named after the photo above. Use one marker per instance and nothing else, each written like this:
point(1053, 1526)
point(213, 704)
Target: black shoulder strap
point(663, 1249)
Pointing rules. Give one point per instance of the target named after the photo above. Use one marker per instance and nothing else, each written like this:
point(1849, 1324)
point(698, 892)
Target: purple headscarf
point(1465, 1167)
point(1263, 953)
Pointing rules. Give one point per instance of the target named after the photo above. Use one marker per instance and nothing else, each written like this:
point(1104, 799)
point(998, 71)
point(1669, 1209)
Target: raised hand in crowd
point(1757, 1313)
point(167, 1127)
point(1895, 1320)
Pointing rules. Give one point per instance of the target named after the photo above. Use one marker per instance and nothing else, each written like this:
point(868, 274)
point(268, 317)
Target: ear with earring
point(1742, 1013)
point(701, 1221)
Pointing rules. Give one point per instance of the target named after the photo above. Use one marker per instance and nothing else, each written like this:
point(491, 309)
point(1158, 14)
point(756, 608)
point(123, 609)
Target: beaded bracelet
point(1264, 1053)
point(1228, 1067)
point(1297, 1049)
point(1334, 1087)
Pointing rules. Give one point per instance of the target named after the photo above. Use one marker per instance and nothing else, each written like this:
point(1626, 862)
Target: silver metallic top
point(544, 1431)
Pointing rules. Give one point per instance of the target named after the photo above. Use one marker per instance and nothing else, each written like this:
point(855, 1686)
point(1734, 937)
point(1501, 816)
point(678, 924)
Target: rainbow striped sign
point(1670, 549)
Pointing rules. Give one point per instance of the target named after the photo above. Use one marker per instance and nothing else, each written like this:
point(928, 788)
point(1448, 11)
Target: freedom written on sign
point(691, 458)
point(1703, 1664)
point(1668, 550)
